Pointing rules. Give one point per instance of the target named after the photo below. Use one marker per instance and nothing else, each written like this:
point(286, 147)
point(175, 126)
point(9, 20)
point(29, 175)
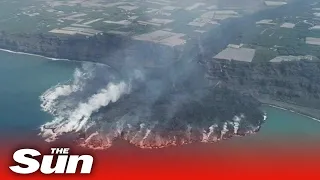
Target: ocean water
point(24, 78)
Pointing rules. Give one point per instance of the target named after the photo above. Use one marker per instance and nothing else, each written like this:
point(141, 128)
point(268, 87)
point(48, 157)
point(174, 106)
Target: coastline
point(310, 113)
point(302, 114)
point(49, 58)
point(35, 55)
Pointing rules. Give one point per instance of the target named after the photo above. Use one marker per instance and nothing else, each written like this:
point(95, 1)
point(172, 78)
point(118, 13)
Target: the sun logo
point(65, 163)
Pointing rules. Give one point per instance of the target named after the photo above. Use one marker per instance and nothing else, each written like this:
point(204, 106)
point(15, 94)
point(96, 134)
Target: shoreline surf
point(49, 58)
point(292, 111)
point(35, 55)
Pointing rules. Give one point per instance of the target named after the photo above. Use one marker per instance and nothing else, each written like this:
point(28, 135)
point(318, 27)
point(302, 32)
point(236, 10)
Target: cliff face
point(295, 82)
point(108, 49)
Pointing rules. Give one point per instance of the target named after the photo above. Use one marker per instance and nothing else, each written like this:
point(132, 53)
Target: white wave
point(36, 55)
point(278, 107)
point(49, 58)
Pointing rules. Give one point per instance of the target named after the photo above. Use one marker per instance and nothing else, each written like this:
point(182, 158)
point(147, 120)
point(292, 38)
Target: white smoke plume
point(76, 117)
point(50, 97)
point(110, 94)
point(100, 105)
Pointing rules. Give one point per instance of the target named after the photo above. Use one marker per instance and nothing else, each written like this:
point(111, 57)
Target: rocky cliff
point(109, 49)
point(294, 85)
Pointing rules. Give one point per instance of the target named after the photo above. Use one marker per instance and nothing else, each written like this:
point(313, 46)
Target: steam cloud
point(98, 107)
point(170, 103)
point(74, 120)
